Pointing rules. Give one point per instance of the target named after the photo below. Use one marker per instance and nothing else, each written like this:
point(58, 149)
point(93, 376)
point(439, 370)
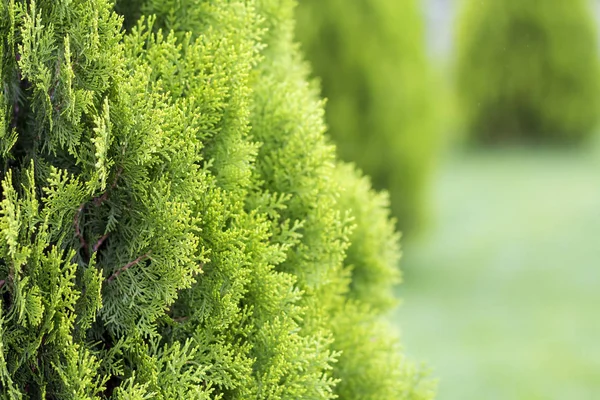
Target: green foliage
point(369, 58)
point(371, 366)
point(295, 159)
point(172, 223)
point(374, 252)
point(528, 72)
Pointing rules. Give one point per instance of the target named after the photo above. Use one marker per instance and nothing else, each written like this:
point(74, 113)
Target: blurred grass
point(501, 296)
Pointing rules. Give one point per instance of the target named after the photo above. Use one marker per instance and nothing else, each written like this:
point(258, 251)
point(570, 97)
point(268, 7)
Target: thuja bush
point(173, 222)
point(527, 72)
point(369, 58)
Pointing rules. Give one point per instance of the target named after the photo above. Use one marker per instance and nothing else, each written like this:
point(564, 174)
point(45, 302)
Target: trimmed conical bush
point(528, 70)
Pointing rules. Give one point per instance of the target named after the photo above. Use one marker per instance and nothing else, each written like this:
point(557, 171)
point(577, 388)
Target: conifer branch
point(127, 266)
point(52, 90)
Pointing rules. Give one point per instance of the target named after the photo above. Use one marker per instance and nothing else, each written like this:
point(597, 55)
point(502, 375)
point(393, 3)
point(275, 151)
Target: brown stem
point(2, 282)
point(99, 243)
point(101, 199)
point(16, 108)
point(84, 245)
point(98, 201)
point(126, 267)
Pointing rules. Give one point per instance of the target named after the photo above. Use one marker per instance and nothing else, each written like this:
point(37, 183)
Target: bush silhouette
point(369, 58)
point(528, 71)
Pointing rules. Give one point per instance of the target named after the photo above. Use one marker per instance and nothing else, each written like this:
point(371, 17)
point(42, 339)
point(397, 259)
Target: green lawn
point(502, 294)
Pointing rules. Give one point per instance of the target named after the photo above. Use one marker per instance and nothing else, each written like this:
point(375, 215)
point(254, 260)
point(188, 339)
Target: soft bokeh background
point(502, 279)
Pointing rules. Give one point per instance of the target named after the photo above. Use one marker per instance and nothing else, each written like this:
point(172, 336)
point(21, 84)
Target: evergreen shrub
point(173, 222)
point(369, 58)
point(528, 70)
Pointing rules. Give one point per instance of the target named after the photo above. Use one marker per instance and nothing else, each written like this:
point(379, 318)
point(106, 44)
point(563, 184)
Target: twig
point(16, 109)
point(126, 267)
point(99, 243)
point(101, 199)
point(2, 282)
point(84, 245)
point(98, 201)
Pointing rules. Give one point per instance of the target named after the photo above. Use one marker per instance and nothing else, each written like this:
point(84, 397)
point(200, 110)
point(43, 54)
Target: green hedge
point(528, 71)
point(173, 223)
point(370, 60)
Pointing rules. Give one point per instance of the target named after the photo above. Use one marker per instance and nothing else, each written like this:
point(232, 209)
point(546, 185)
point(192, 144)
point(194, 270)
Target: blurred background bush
point(528, 70)
point(372, 65)
point(501, 286)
